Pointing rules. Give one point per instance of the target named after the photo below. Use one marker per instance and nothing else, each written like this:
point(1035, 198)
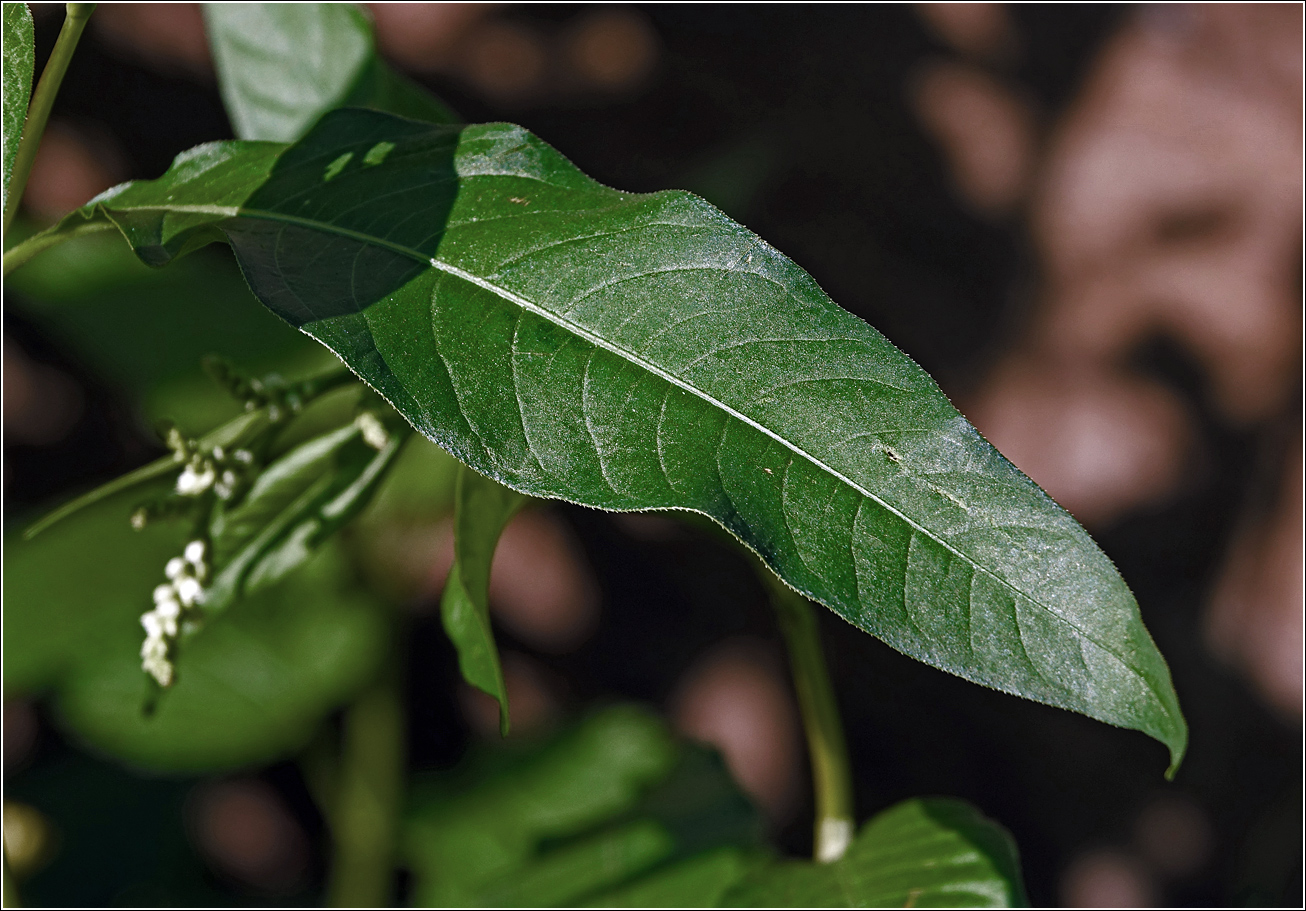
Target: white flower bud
point(164, 593)
point(168, 610)
point(175, 567)
point(153, 625)
point(189, 591)
point(192, 482)
point(374, 434)
point(159, 668)
point(194, 553)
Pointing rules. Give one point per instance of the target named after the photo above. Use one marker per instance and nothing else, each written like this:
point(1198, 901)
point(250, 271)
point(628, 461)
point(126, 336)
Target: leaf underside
point(282, 65)
point(633, 352)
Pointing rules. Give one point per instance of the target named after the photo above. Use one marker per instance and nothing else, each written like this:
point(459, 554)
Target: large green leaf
point(481, 510)
point(19, 62)
point(252, 687)
point(634, 352)
point(923, 853)
point(281, 66)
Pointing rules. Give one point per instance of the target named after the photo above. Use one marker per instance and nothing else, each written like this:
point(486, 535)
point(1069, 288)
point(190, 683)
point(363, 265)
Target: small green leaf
point(19, 62)
point(481, 510)
point(923, 853)
point(281, 66)
point(632, 352)
point(294, 505)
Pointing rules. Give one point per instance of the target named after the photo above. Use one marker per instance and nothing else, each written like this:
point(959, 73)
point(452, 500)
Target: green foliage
point(641, 352)
point(481, 510)
point(616, 813)
point(564, 340)
point(19, 61)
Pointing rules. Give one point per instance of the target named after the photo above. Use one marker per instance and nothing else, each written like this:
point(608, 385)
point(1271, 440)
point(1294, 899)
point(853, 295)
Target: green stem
point(38, 243)
point(831, 771)
point(365, 816)
point(42, 101)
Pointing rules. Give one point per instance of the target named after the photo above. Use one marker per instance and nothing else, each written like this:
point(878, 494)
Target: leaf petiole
point(831, 770)
point(22, 252)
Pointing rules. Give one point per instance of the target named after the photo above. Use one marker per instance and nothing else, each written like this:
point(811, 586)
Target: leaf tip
point(1178, 745)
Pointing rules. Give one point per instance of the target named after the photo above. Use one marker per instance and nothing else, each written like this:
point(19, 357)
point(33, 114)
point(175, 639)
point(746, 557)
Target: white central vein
point(632, 357)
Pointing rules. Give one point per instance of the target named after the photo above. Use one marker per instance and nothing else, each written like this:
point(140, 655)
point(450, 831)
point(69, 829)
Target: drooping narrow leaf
point(19, 63)
point(281, 66)
point(923, 853)
point(481, 510)
point(293, 506)
point(634, 352)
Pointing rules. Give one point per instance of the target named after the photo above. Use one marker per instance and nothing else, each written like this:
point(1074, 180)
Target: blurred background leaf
point(598, 806)
point(251, 688)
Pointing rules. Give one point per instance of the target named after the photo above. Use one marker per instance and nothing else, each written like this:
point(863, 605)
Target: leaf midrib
point(637, 360)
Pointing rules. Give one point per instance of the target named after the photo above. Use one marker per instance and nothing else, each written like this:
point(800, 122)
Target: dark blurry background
point(1084, 221)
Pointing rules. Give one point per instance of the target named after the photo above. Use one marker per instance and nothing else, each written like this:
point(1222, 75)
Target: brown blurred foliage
point(245, 831)
point(1165, 204)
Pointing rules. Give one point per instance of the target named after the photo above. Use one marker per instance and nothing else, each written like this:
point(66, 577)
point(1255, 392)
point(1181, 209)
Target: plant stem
point(38, 243)
point(43, 100)
point(365, 816)
point(831, 771)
